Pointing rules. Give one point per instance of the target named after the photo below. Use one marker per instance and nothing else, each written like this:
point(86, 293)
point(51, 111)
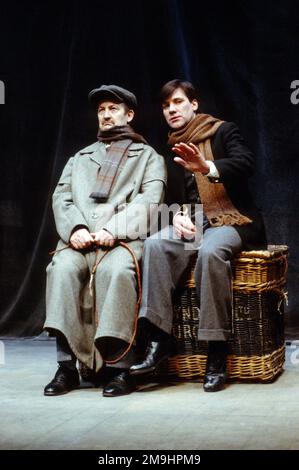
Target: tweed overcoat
point(139, 182)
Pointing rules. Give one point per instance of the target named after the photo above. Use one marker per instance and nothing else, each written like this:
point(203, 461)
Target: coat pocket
point(124, 199)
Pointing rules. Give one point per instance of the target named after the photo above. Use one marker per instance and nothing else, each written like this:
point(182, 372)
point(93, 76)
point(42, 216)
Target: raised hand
point(190, 158)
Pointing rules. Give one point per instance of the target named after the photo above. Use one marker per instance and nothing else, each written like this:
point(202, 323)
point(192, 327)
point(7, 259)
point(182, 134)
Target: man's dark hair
point(169, 88)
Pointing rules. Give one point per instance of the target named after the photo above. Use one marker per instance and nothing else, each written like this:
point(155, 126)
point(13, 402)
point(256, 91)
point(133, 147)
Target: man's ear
point(130, 115)
point(195, 105)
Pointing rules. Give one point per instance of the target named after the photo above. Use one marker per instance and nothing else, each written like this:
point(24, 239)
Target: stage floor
point(165, 416)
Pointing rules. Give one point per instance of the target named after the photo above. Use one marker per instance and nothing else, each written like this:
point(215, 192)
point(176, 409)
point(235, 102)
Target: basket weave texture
point(256, 347)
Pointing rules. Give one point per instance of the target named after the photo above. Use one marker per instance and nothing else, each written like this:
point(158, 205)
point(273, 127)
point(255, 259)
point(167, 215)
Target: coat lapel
point(96, 153)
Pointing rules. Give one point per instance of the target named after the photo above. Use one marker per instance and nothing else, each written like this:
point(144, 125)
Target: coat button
point(94, 216)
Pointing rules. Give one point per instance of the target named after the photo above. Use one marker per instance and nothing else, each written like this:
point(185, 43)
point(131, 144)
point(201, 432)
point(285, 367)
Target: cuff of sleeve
point(78, 227)
point(213, 173)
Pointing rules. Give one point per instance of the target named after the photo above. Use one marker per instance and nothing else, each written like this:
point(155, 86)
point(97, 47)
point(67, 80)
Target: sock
point(114, 371)
point(70, 365)
point(218, 347)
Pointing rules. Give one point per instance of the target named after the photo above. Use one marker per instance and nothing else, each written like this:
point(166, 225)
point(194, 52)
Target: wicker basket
point(256, 348)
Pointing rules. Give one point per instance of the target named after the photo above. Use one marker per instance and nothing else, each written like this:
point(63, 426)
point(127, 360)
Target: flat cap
point(113, 92)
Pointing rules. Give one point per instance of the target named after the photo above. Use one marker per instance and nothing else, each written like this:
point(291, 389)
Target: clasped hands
point(82, 238)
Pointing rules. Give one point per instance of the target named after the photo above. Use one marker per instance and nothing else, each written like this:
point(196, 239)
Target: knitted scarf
point(217, 205)
point(121, 138)
point(120, 133)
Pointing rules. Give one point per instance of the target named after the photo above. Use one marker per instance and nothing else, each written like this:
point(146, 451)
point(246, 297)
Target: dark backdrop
point(242, 55)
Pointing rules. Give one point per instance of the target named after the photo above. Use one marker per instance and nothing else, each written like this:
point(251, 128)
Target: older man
point(215, 167)
point(96, 204)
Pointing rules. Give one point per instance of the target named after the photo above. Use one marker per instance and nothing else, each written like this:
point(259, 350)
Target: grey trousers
point(164, 261)
point(115, 286)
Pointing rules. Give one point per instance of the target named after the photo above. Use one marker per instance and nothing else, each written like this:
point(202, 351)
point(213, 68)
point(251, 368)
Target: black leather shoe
point(214, 382)
point(215, 376)
point(64, 381)
point(156, 353)
point(121, 384)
